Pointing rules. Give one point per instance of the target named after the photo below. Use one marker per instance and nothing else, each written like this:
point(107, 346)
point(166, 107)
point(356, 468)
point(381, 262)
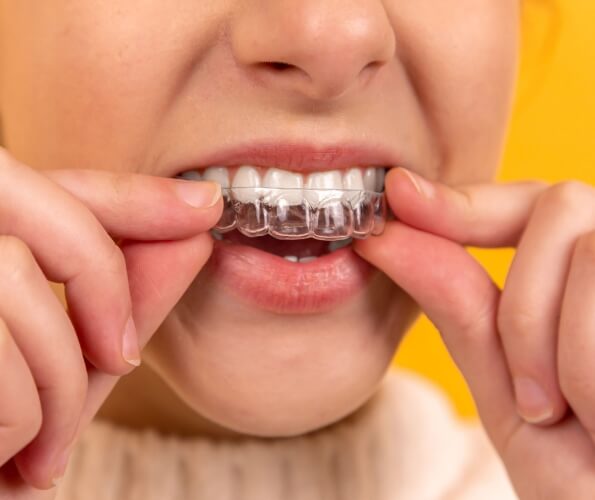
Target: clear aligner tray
point(293, 214)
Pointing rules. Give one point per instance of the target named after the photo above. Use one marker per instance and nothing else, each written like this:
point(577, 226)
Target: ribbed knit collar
point(404, 443)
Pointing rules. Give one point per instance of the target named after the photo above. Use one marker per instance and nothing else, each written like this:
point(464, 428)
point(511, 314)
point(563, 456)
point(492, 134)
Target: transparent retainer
point(294, 214)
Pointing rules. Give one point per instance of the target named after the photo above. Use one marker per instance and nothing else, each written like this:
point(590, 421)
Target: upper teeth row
point(369, 179)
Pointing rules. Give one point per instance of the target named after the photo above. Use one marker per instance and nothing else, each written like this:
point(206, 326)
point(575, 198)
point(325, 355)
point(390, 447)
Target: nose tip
point(318, 48)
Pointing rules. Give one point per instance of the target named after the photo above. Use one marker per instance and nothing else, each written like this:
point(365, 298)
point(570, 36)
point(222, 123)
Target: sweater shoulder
point(480, 472)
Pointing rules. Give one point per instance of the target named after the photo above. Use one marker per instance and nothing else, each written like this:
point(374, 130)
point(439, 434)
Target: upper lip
point(299, 157)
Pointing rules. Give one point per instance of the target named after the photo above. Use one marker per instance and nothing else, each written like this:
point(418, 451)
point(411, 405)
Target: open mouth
point(283, 243)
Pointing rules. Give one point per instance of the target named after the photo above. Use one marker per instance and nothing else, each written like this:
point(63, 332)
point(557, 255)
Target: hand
point(526, 351)
point(61, 225)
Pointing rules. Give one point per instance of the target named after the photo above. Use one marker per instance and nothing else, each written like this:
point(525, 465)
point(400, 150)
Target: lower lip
point(275, 284)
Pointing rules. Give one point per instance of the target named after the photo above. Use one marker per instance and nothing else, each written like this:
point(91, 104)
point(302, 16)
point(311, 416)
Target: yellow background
point(552, 137)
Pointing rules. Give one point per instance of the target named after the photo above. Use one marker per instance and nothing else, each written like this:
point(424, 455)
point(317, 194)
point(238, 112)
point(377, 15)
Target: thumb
point(158, 273)
point(483, 215)
point(461, 300)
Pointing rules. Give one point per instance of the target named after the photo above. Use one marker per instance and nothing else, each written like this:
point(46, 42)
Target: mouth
point(283, 243)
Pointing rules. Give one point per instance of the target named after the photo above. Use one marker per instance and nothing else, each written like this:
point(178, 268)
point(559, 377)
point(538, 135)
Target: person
point(264, 377)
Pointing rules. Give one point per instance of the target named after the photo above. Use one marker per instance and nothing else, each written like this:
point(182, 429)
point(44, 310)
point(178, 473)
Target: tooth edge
point(217, 174)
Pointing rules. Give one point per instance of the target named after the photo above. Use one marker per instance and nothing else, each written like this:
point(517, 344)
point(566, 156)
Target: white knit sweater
point(404, 444)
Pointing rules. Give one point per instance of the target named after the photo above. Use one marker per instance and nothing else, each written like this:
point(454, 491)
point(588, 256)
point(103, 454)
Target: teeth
point(216, 235)
point(327, 182)
point(301, 260)
point(282, 186)
point(190, 175)
point(217, 174)
point(277, 178)
point(333, 246)
point(380, 174)
point(246, 177)
point(370, 179)
point(354, 181)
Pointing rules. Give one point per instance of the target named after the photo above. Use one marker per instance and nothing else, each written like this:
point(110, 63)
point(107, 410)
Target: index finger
point(71, 247)
point(460, 298)
point(143, 207)
point(73, 243)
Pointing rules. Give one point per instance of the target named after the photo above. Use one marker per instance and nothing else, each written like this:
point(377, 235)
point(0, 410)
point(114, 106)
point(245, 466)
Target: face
point(259, 344)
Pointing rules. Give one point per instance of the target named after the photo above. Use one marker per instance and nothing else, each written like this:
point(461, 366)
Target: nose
point(321, 49)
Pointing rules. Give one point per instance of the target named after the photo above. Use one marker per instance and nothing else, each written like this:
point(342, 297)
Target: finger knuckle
point(17, 260)
point(112, 260)
point(122, 186)
point(517, 322)
point(75, 385)
point(478, 318)
point(567, 195)
point(30, 421)
point(470, 324)
point(468, 201)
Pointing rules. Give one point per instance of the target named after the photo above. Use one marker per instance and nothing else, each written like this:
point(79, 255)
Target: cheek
point(461, 57)
point(91, 86)
point(278, 376)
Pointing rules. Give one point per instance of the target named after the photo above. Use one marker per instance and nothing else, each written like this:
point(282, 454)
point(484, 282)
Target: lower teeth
point(302, 251)
point(332, 247)
point(338, 244)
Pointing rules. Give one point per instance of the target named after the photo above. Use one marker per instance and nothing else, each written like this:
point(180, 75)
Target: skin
point(159, 92)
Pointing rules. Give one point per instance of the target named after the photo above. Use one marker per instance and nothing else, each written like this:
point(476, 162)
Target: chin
point(290, 404)
point(274, 374)
point(282, 389)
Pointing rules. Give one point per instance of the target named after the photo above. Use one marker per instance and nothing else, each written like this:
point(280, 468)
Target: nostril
point(278, 66)
point(374, 65)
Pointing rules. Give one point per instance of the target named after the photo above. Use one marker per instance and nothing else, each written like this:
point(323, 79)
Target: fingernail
point(533, 404)
point(198, 194)
point(61, 464)
point(130, 349)
point(422, 186)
